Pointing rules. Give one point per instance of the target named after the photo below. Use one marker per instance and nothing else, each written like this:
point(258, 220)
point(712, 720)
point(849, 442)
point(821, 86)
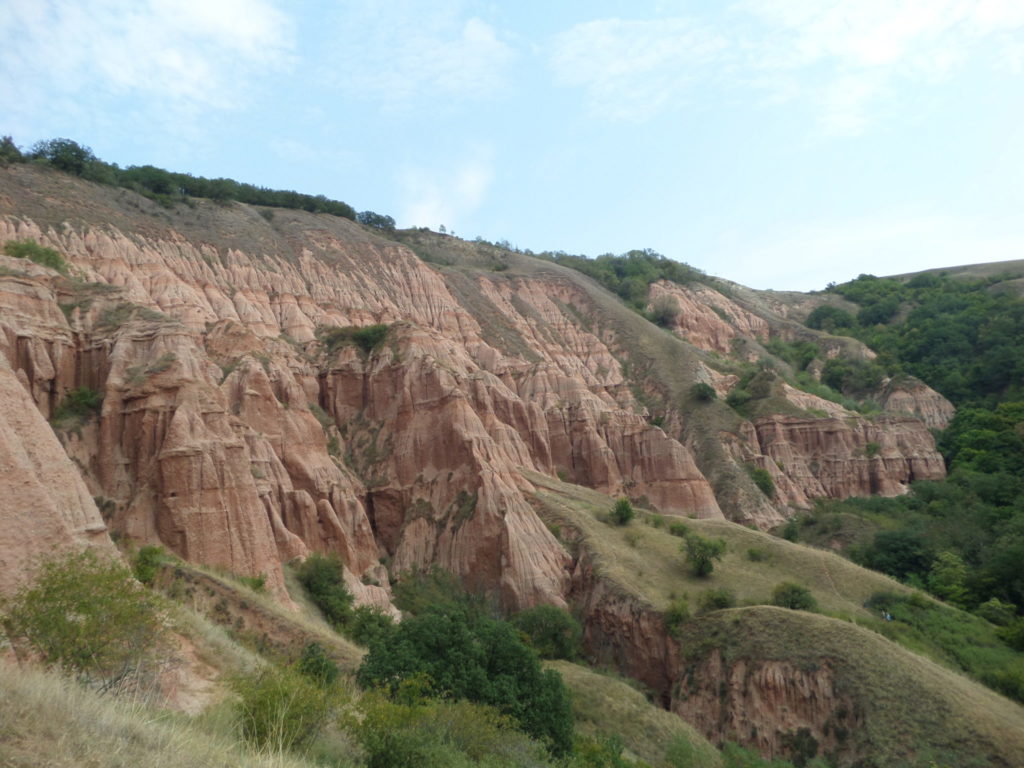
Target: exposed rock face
point(914, 397)
point(46, 506)
point(838, 457)
point(707, 318)
point(238, 437)
point(234, 470)
point(765, 703)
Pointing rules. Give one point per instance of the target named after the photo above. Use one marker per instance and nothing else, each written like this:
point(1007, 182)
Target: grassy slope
point(47, 721)
point(604, 705)
point(909, 701)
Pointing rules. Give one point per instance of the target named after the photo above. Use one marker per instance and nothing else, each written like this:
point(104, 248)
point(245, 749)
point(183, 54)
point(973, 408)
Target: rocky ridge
point(237, 433)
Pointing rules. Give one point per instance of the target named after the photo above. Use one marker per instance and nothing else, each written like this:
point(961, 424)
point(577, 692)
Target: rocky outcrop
point(837, 457)
point(908, 395)
point(706, 318)
point(46, 506)
point(766, 704)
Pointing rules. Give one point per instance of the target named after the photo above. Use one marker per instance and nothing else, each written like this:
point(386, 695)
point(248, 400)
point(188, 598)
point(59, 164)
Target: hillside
point(246, 385)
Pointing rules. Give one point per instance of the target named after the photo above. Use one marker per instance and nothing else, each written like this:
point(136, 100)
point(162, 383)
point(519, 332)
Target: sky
point(781, 144)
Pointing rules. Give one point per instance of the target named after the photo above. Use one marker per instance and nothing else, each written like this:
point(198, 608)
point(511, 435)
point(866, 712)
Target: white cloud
point(435, 198)
point(851, 53)
point(403, 51)
point(844, 56)
point(183, 54)
point(631, 70)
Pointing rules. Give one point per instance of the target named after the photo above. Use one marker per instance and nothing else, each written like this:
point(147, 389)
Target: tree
point(324, 580)
point(457, 654)
point(552, 632)
point(64, 155)
point(793, 596)
point(622, 512)
point(701, 553)
point(947, 578)
point(376, 220)
point(87, 616)
point(9, 152)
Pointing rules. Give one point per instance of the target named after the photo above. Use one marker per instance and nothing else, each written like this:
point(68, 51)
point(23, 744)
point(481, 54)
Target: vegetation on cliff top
point(168, 187)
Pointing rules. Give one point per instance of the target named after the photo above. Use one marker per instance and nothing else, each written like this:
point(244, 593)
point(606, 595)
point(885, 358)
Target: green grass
point(606, 706)
point(655, 569)
point(904, 703)
point(44, 720)
point(882, 675)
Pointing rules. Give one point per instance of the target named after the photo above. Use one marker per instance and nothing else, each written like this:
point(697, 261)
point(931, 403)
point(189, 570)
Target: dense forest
point(962, 539)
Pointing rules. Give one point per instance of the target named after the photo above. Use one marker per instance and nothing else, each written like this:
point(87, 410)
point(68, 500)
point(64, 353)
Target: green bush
point(552, 631)
point(701, 553)
point(453, 652)
point(78, 405)
point(324, 580)
point(664, 311)
point(88, 617)
point(756, 555)
point(763, 480)
point(279, 709)
point(31, 250)
point(367, 338)
point(316, 665)
point(367, 624)
point(147, 564)
point(679, 529)
point(703, 392)
point(622, 512)
point(716, 600)
point(427, 733)
point(677, 614)
point(793, 596)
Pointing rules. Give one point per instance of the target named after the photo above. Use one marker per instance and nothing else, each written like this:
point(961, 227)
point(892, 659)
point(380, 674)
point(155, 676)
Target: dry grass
point(909, 703)
point(604, 705)
point(646, 561)
point(45, 721)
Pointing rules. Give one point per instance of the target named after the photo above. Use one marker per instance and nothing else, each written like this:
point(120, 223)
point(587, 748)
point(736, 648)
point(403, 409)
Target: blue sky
point(779, 143)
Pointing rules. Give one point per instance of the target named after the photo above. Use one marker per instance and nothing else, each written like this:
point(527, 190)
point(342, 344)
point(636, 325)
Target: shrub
point(324, 580)
point(552, 632)
point(31, 250)
point(147, 564)
point(716, 600)
point(86, 616)
point(701, 553)
point(737, 397)
point(756, 555)
point(279, 709)
point(78, 405)
point(317, 666)
point(679, 529)
point(703, 392)
point(438, 734)
point(664, 311)
point(622, 512)
point(677, 614)
point(457, 654)
point(996, 611)
point(763, 480)
point(367, 624)
point(793, 596)
point(367, 338)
